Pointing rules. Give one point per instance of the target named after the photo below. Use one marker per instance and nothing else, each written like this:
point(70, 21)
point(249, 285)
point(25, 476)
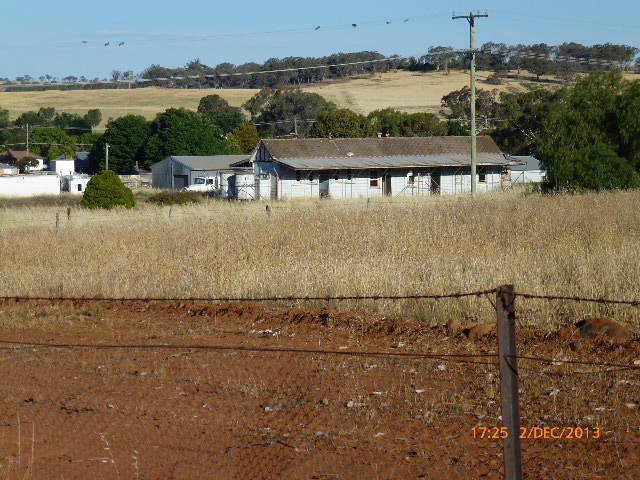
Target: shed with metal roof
point(369, 167)
point(178, 171)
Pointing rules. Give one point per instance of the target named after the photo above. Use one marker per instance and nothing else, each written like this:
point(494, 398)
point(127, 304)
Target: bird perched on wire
point(85, 41)
point(389, 22)
point(407, 19)
point(354, 25)
point(107, 44)
point(120, 44)
point(318, 27)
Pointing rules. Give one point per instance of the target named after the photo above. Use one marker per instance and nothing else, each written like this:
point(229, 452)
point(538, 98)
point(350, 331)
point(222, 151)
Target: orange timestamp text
point(538, 432)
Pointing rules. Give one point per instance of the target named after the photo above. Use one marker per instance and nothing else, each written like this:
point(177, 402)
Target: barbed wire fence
point(197, 410)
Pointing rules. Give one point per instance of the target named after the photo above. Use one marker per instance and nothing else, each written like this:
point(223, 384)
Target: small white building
point(63, 166)
point(528, 170)
point(75, 183)
point(371, 167)
point(45, 183)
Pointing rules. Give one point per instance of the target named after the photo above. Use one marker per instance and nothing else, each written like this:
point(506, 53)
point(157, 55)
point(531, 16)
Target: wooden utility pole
point(472, 27)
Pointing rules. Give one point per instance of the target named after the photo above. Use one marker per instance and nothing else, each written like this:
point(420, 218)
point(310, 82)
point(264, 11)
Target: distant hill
point(403, 90)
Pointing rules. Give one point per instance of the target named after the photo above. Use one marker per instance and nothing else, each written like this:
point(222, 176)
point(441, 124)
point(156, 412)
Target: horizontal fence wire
point(258, 299)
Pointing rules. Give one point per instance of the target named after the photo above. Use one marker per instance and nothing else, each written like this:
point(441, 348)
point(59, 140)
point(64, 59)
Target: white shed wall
point(63, 167)
point(29, 185)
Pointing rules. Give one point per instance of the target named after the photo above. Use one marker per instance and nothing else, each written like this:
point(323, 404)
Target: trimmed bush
point(175, 198)
point(106, 190)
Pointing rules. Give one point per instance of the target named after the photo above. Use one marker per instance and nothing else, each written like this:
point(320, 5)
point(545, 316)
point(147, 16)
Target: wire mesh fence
point(267, 403)
point(210, 413)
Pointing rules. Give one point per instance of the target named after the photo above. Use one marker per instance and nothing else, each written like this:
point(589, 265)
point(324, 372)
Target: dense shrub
point(106, 190)
point(175, 198)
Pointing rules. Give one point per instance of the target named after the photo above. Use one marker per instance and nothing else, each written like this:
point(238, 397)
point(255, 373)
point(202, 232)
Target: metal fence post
point(509, 396)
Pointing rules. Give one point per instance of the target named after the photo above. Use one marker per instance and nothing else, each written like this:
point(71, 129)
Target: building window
point(349, 174)
point(411, 179)
point(79, 187)
point(373, 179)
point(482, 174)
point(298, 175)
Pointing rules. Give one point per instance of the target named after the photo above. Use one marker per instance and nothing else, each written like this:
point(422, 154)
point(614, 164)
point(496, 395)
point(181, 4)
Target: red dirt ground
point(162, 390)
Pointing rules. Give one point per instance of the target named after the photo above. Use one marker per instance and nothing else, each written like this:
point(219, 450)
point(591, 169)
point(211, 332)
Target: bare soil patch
point(246, 390)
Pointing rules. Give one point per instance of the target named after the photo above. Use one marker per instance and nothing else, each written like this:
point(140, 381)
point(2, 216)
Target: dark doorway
point(386, 184)
point(436, 178)
point(180, 181)
point(323, 181)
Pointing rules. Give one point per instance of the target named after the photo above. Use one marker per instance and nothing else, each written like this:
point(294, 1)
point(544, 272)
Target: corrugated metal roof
point(376, 147)
point(393, 162)
point(527, 164)
point(390, 152)
point(208, 162)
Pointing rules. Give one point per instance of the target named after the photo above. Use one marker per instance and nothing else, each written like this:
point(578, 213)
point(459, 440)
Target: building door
point(180, 181)
point(436, 178)
point(386, 184)
point(323, 181)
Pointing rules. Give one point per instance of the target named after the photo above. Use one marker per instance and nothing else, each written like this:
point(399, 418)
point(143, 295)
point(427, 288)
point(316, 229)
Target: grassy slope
point(405, 91)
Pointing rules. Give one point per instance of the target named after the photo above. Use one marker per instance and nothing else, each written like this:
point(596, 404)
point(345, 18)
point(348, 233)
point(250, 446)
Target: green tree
point(388, 121)
point(53, 142)
point(342, 123)
point(212, 104)
point(93, 117)
point(178, 131)
point(72, 122)
point(228, 118)
point(259, 102)
point(290, 110)
point(422, 124)
point(232, 145)
point(106, 190)
point(127, 138)
point(247, 136)
point(25, 162)
point(522, 117)
point(589, 142)
point(459, 104)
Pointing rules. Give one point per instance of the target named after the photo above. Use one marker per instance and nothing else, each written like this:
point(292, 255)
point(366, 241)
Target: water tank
point(225, 191)
point(245, 186)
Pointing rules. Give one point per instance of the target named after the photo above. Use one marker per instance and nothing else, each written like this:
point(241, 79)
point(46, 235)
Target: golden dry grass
point(406, 91)
point(587, 245)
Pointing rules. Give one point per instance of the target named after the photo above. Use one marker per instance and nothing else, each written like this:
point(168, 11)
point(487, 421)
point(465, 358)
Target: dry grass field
point(587, 245)
point(406, 91)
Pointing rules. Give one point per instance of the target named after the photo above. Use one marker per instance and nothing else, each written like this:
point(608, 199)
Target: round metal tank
point(224, 184)
point(245, 186)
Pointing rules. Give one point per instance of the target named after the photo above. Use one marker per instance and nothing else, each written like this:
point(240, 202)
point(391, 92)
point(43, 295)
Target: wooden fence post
point(509, 395)
point(57, 222)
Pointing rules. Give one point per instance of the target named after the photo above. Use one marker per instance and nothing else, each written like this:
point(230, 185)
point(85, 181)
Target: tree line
point(564, 61)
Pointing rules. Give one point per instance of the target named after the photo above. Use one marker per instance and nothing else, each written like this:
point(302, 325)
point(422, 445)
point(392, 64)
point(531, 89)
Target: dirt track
point(177, 390)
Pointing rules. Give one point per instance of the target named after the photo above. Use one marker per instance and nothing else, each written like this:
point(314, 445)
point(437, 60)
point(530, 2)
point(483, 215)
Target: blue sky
point(46, 36)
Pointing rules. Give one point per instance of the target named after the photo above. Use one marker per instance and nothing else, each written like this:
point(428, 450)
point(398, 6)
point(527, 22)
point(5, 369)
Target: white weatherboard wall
point(449, 180)
point(29, 185)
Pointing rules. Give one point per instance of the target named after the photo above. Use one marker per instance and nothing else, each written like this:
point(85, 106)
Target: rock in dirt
point(603, 326)
point(480, 331)
point(452, 328)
